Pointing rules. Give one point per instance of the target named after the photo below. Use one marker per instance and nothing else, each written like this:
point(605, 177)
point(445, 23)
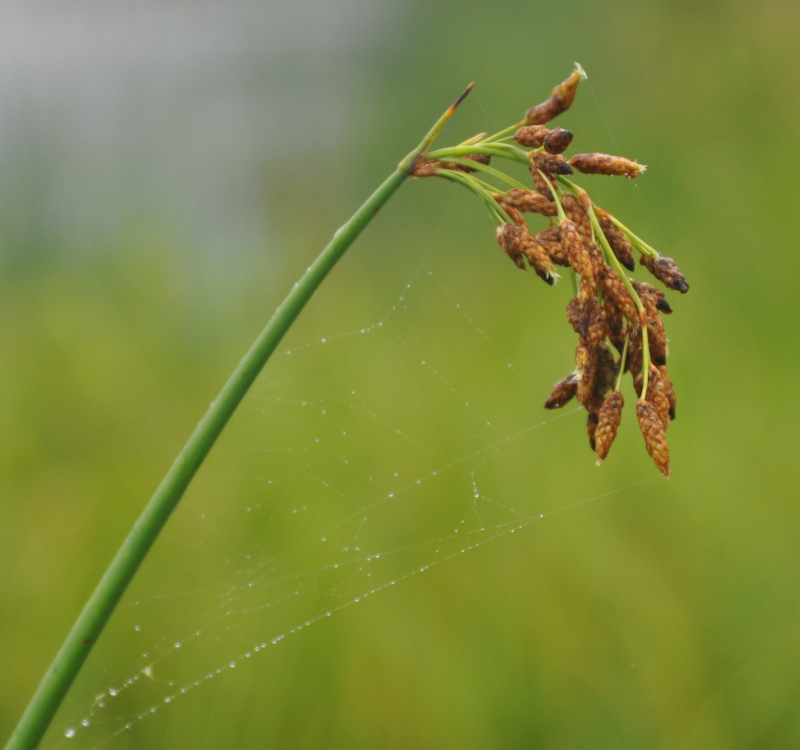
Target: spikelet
point(619, 243)
point(606, 164)
point(576, 214)
point(617, 292)
point(560, 99)
point(550, 240)
point(530, 201)
point(531, 136)
point(538, 258)
point(655, 440)
point(667, 271)
point(509, 236)
point(573, 245)
point(551, 164)
point(608, 420)
point(563, 392)
point(557, 141)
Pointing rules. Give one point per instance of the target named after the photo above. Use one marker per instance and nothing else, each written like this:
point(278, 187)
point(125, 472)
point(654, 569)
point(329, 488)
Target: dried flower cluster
point(617, 318)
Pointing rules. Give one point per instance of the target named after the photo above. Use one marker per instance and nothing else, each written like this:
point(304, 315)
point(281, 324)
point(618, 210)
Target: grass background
point(665, 616)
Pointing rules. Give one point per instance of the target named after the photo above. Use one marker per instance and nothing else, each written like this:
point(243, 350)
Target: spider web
point(363, 457)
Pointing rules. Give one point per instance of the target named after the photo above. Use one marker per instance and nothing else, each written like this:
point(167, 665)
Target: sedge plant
point(609, 312)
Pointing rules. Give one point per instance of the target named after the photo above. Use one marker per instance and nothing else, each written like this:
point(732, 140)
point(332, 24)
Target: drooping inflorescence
point(618, 319)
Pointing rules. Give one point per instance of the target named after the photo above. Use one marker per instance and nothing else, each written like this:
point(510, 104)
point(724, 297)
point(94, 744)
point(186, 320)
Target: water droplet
point(137, 628)
point(70, 733)
point(85, 723)
point(112, 692)
point(232, 665)
point(178, 644)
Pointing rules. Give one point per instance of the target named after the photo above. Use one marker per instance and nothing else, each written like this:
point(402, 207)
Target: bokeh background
point(167, 171)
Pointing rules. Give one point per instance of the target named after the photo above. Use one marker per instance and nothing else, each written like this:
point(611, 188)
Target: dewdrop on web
point(617, 318)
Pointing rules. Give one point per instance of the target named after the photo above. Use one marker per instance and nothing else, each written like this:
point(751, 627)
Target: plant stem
point(98, 609)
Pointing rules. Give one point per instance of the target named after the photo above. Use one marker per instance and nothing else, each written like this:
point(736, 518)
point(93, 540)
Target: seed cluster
point(618, 319)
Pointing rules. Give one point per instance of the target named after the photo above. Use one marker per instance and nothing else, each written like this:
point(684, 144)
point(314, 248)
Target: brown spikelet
point(550, 240)
point(619, 243)
point(560, 100)
point(540, 182)
point(670, 390)
point(538, 258)
point(576, 317)
point(667, 271)
point(573, 245)
point(509, 236)
point(608, 420)
point(530, 201)
point(557, 141)
point(563, 392)
point(531, 136)
point(596, 324)
point(617, 292)
point(591, 428)
point(635, 359)
point(576, 214)
point(607, 370)
point(657, 395)
point(606, 164)
point(551, 164)
point(587, 289)
point(655, 439)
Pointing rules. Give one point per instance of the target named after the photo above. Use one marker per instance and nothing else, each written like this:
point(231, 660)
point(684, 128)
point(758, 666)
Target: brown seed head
point(530, 201)
point(550, 240)
point(509, 236)
point(596, 327)
point(551, 164)
point(617, 240)
point(606, 164)
point(576, 213)
point(573, 245)
point(655, 439)
point(591, 427)
point(667, 271)
point(531, 136)
point(538, 258)
point(577, 318)
point(617, 292)
point(560, 100)
point(667, 380)
point(608, 420)
point(563, 392)
point(540, 182)
point(557, 141)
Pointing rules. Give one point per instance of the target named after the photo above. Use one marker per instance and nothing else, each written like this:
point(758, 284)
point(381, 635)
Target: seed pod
point(575, 213)
point(576, 317)
point(608, 420)
point(606, 370)
point(617, 240)
point(587, 289)
point(550, 240)
point(634, 361)
point(538, 258)
point(509, 236)
point(667, 271)
point(591, 428)
point(579, 258)
point(655, 439)
point(617, 292)
point(595, 326)
point(560, 100)
point(530, 201)
point(531, 136)
point(557, 141)
point(670, 390)
point(657, 395)
point(551, 164)
point(606, 164)
point(540, 182)
point(615, 323)
point(563, 392)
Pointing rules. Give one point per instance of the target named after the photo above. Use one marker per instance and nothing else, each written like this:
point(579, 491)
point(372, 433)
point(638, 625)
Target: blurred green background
point(169, 170)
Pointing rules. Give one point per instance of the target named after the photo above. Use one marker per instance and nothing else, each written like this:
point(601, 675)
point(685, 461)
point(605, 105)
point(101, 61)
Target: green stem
point(98, 609)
